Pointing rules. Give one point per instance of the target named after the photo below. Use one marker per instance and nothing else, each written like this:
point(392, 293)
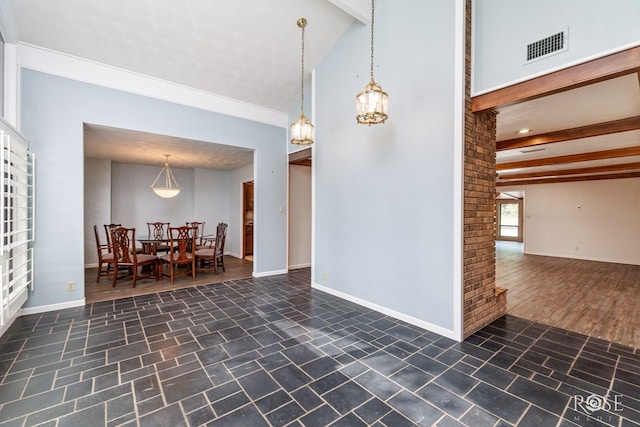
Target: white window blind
point(17, 225)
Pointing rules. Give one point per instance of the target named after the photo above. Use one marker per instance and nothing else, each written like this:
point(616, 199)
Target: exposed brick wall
point(483, 302)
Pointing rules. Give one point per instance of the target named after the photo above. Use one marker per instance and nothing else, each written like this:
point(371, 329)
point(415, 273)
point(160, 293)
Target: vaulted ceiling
point(585, 122)
point(244, 50)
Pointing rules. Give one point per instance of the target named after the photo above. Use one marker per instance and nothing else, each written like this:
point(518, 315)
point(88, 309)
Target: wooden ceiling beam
point(607, 67)
point(519, 182)
point(575, 171)
point(582, 157)
point(598, 129)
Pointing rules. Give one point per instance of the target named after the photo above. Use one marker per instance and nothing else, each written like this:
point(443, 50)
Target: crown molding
point(72, 67)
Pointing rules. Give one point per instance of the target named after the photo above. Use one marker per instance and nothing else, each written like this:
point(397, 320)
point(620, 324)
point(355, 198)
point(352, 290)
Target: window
point(16, 224)
point(509, 220)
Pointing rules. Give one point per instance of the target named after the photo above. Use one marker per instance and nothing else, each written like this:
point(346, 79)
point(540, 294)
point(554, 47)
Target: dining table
point(150, 245)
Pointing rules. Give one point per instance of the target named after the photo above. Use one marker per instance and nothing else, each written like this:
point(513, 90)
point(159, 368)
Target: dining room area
point(160, 196)
point(164, 258)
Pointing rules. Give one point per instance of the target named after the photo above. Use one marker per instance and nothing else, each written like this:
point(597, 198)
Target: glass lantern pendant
point(302, 131)
point(372, 104)
point(372, 101)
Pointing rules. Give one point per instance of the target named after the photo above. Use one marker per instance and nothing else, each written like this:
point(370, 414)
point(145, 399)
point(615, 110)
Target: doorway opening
point(300, 209)
point(247, 220)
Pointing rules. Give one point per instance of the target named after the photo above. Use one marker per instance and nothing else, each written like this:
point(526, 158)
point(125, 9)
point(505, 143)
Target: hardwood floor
point(599, 299)
point(235, 269)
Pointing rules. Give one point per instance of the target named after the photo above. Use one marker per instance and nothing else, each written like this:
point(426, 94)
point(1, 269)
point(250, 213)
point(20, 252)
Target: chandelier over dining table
point(168, 187)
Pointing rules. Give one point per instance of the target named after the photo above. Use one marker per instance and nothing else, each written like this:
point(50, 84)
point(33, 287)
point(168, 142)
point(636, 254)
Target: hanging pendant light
point(371, 102)
point(171, 187)
point(302, 131)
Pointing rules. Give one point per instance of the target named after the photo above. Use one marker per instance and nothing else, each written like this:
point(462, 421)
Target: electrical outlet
point(71, 286)
point(325, 276)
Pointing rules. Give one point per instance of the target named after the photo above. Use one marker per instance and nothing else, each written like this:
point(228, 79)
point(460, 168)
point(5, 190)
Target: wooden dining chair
point(107, 232)
point(105, 257)
point(213, 256)
point(126, 257)
point(159, 231)
point(183, 240)
point(199, 227)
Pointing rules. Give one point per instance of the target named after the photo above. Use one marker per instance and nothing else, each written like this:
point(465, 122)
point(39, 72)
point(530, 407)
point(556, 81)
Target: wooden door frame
point(520, 204)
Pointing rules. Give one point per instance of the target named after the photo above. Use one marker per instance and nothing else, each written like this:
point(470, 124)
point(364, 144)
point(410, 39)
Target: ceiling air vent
point(548, 46)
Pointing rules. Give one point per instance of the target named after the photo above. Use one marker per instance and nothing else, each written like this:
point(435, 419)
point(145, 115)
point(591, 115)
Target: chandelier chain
point(372, 22)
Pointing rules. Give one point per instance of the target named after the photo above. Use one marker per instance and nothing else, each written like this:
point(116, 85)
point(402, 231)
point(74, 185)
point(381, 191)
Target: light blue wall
point(502, 29)
point(204, 197)
point(133, 204)
point(384, 194)
point(97, 204)
point(53, 110)
point(212, 205)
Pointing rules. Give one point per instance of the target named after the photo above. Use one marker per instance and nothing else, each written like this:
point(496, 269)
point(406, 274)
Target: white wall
point(97, 204)
point(593, 220)
point(299, 216)
point(502, 29)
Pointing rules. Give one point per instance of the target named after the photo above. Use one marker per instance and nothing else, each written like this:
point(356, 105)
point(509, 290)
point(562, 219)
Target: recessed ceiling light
point(523, 131)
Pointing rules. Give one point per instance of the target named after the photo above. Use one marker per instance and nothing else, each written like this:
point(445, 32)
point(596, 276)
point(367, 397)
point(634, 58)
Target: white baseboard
point(269, 273)
point(297, 266)
point(384, 310)
point(93, 265)
point(52, 307)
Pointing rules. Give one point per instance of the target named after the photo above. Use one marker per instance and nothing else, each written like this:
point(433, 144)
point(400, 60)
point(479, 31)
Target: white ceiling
point(600, 102)
point(248, 50)
point(128, 146)
point(605, 101)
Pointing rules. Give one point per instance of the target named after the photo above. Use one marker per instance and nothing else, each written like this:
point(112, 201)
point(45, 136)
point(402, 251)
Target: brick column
point(483, 302)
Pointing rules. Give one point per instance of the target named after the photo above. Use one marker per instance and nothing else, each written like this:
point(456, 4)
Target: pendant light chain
point(372, 102)
point(302, 69)
point(372, 22)
point(302, 130)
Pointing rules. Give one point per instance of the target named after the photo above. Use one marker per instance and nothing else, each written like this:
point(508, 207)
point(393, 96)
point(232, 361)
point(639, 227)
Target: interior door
point(509, 220)
point(247, 219)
